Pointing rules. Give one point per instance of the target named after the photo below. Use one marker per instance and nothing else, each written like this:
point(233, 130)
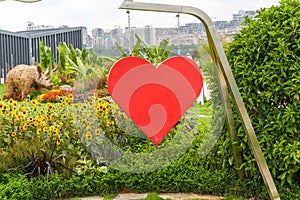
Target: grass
point(2, 90)
point(204, 112)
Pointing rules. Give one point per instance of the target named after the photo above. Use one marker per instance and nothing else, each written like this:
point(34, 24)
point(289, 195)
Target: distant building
point(98, 32)
point(149, 35)
point(187, 34)
point(116, 35)
point(87, 40)
point(239, 17)
point(98, 37)
point(31, 26)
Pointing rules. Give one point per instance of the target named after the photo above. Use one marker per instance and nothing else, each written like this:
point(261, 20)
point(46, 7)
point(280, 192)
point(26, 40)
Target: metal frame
point(226, 80)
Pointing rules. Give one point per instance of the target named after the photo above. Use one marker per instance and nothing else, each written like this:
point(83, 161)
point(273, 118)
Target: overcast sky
point(105, 14)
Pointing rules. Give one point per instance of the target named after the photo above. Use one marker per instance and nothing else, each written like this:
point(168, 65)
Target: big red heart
point(155, 98)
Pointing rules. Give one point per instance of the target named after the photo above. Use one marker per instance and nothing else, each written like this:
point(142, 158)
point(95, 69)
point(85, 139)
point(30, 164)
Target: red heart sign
point(155, 98)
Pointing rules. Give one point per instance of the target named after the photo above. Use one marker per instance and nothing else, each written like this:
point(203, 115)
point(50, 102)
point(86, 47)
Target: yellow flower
point(1, 105)
point(70, 96)
point(58, 142)
point(77, 133)
point(34, 102)
point(51, 128)
point(25, 127)
point(55, 135)
point(45, 128)
point(88, 136)
point(42, 123)
point(19, 116)
point(38, 131)
point(15, 138)
point(13, 134)
point(97, 132)
point(108, 123)
point(24, 110)
point(49, 106)
point(55, 130)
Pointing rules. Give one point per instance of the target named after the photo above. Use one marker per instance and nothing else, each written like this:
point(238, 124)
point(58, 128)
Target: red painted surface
point(155, 98)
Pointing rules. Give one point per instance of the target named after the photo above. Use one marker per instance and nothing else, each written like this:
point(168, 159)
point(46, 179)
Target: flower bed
point(50, 122)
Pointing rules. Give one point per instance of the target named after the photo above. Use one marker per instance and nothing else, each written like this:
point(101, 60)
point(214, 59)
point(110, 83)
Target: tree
point(265, 60)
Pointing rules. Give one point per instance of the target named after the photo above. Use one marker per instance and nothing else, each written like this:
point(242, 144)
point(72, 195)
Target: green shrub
point(265, 62)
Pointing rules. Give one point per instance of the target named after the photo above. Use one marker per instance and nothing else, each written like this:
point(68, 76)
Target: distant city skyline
point(14, 16)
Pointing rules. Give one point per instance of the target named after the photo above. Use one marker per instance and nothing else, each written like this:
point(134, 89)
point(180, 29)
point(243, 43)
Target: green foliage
point(265, 61)
point(72, 60)
point(99, 64)
point(15, 155)
point(154, 54)
point(46, 57)
point(2, 90)
point(153, 196)
point(109, 197)
point(185, 49)
point(108, 52)
point(234, 198)
point(44, 164)
point(35, 93)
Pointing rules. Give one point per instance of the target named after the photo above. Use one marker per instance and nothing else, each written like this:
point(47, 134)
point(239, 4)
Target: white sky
point(105, 13)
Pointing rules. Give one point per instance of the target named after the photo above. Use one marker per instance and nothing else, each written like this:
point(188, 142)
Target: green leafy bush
point(265, 61)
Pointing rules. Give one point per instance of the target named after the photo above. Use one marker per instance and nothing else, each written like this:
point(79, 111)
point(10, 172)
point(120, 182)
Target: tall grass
point(2, 90)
